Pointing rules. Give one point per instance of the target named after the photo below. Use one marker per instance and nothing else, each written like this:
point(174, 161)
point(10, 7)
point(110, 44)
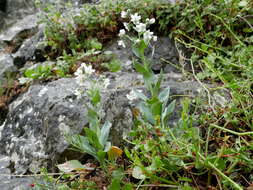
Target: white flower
point(88, 69)
point(106, 82)
point(121, 43)
point(148, 36)
point(126, 26)
point(79, 71)
point(150, 21)
point(84, 69)
point(137, 41)
point(154, 38)
point(132, 95)
point(141, 27)
point(122, 32)
point(123, 14)
point(24, 80)
point(135, 18)
point(78, 93)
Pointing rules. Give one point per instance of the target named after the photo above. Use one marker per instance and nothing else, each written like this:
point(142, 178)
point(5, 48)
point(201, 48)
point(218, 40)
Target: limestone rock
point(6, 181)
point(33, 133)
point(6, 66)
point(31, 49)
point(163, 48)
point(23, 28)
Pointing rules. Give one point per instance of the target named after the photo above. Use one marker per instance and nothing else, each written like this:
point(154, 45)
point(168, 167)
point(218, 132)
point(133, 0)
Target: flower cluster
point(138, 26)
point(84, 78)
point(82, 73)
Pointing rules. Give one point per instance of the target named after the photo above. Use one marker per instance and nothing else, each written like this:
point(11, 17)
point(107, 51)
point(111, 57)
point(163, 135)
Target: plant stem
point(235, 185)
point(229, 29)
point(232, 132)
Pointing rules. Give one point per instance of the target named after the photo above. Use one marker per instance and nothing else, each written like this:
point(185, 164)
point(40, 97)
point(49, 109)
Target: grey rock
point(31, 49)
point(16, 184)
point(164, 48)
point(37, 129)
point(7, 181)
point(2, 22)
point(19, 8)
point(6, 67)
point(33, 133)
point(21, 30)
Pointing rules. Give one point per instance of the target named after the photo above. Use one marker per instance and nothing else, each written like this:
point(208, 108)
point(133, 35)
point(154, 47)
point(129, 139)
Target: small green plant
point(95, 142)
point(37, 72)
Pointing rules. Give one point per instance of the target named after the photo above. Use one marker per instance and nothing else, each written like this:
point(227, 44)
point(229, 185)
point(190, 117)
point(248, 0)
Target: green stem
point(229, 29)
point(232, 166)
point(232, 132)
point(207, 140)
point(207, 45)
point(235, 185)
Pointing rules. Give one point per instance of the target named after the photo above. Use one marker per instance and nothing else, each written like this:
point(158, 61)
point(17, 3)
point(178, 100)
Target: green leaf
point(156, 164)
point(168, 110)
point(115, 185)
point(93, 120)
point(147, 113)
point(128, 154)
point(128, 186)
point(70, 166)
point(95, 44)
point(164, 95)
point(137, 173)
point(139, 49)
point(140, 68)
point(157, 86)
point(81, 143)
point(93, 139)
point(156, 108)
point(118, 174)
point(101, 156)
point(95, 96)
point(140, 95)
point(105, 133)
point(113, 66)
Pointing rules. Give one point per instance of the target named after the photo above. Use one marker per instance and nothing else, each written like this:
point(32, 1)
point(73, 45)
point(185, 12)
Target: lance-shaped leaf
point(105, 133)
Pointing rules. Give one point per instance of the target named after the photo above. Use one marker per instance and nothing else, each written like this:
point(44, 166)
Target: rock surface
point(33, 134)
point(11, 183)
point(6, 66)
point(30, 50)
point(22, 29)
point(163, 49)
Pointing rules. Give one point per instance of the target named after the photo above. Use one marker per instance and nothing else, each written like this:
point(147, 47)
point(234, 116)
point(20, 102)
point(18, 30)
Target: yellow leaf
point(114, 152)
